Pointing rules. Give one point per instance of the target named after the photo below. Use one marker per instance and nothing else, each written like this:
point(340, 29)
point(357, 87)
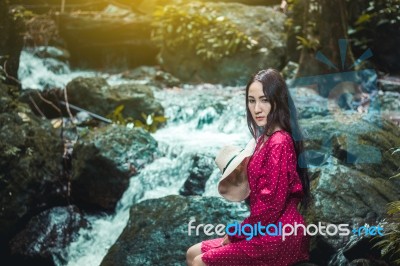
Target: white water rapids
point(201, 119)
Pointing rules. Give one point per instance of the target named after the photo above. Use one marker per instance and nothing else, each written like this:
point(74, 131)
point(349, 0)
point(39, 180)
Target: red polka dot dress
point(276, 190)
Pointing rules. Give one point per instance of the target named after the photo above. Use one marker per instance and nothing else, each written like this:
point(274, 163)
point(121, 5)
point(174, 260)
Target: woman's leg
point(192, 253)
point(198, 261)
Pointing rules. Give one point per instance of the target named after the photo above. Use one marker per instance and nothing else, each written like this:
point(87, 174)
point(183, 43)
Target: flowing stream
point(201, 119)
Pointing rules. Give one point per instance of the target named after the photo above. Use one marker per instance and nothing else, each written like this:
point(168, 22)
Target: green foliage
point(199, 28)
point(310, 44)
point(390, 242)
point(149, 123)
point(376, 14)
point(21, 13)
point(11, 150)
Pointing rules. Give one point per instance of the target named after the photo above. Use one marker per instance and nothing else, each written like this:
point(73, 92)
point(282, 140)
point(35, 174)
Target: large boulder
point(31, 174)
point(356, 142)
point(45, 238)
point(263, 24)
point(93, 41)
point(97, 96)
point(352, 158)
point(157, 223)
point(343, 195)
point(114, 39)
point(104, 160)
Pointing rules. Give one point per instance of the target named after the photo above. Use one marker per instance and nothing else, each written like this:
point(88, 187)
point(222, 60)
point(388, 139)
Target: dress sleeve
point(272, 188)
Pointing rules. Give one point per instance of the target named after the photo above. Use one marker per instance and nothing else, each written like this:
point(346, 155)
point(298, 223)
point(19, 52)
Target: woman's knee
point(192, 252)
point(198, 261)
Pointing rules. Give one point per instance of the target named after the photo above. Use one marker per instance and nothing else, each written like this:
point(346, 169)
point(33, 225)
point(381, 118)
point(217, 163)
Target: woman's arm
point(272, 188)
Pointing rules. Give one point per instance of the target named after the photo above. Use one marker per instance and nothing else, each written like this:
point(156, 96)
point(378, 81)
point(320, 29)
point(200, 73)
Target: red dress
point(276, 190)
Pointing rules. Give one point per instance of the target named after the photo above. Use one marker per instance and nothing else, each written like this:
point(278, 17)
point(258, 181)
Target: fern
point(390, 242)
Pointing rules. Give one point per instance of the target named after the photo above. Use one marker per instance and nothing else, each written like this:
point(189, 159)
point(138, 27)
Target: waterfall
point(201, 119)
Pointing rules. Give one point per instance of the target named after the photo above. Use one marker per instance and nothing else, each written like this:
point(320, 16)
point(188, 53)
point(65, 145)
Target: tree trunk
point(331, 26)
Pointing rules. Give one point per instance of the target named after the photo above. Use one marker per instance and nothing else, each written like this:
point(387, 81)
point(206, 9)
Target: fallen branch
point(90, 113)
point(49, 102)
point(9, 76)
point(37, 107)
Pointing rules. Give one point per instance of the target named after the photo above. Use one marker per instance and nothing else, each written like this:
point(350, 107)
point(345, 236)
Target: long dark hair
point(283, 113)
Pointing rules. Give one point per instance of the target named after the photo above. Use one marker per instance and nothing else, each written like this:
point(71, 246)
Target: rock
point(390, 84)
point(360, 250)
point(302, 97)
point(390, 101)
point(95, 43)
point(321, 250)
point(46, 237)
point(31, 176)
point(104, 160)
point(152, 76)
point(363, 247)
point(360, 142)
point(96, 96)
point(342, 194)
point(351, 161)
point(56, 53)
point(199, 173)
point(155, 224)
point(184, 63)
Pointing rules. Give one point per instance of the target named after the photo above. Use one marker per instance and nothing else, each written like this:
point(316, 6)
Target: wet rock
point(155, 224)
point(360, 142)
point(96, 96)
point(31, 177)
point(390, 84)
point(361, 248)
point(56, 53)
point(352, 160)
point(390, 101)
point(104, 160)
point(302, 97)
point(152, 76)
point(321, 250)
point(45, 238)
point(199, 173)
point(342, 194)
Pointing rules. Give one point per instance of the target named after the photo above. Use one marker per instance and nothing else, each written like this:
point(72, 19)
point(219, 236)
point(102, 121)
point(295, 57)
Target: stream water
point(201, 119)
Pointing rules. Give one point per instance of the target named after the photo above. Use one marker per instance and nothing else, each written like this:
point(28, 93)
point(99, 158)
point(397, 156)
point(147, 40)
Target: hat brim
point(233, 185)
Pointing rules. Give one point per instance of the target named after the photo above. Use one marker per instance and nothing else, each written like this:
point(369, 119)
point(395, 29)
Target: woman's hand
point(225, 241)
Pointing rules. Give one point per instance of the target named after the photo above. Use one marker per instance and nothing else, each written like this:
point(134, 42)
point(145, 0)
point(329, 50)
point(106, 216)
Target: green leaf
point(363, 19)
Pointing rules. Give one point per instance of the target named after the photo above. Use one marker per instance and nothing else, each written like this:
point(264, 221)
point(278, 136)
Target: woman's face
point(258, 104)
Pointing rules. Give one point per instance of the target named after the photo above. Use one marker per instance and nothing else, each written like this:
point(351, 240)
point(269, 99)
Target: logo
point(351, 98)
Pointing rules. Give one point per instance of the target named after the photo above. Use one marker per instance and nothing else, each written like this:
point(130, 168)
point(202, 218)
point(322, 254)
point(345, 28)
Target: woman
point(277, 183)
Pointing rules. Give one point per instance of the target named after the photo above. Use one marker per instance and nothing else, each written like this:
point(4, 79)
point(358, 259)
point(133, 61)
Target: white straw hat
point(232, 162)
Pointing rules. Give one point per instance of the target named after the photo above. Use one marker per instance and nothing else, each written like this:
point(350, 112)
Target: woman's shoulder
point(280, 137)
